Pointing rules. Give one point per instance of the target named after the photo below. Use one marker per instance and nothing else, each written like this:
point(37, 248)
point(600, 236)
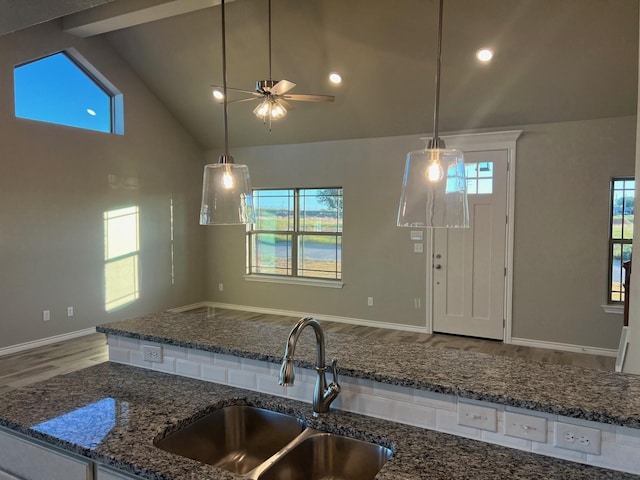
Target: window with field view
point(620, 234)
point(297, 233)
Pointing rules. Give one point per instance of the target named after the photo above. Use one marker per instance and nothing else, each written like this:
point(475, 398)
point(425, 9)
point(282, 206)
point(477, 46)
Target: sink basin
point(327, 456)
point(236, 438)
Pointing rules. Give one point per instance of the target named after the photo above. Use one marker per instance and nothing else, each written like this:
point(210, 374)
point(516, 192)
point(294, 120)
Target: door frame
point(480, 142)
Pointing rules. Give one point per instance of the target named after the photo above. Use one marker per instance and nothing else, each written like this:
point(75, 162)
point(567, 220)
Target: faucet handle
point(334, 371)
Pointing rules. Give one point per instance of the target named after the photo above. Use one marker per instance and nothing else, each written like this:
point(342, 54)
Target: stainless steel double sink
point(265, 445)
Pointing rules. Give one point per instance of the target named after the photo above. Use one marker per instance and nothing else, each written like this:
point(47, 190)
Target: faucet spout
point(323, 394)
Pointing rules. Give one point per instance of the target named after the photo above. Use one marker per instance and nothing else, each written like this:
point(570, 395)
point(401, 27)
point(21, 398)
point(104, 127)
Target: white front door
point(469, 263)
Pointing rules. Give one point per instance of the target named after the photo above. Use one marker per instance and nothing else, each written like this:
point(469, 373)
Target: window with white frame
point(297, 233)
point(620, 233)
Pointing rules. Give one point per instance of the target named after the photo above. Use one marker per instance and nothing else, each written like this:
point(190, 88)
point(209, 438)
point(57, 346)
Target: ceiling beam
point(128, 13)
point(19, 14)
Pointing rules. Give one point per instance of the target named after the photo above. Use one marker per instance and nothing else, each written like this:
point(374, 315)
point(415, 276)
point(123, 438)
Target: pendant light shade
point(434, 187)
point(227, 198)
point(434, 190)
point(226, 194)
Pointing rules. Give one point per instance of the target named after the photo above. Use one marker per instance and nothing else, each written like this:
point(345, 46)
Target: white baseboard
point(565, 347)
point(318, 316)
point(193, 306)
point(45, 341)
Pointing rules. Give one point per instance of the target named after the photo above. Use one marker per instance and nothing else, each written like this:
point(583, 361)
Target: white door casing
point(501, 267)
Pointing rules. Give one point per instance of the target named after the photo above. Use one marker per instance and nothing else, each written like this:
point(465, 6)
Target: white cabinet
point(27, 459)
point(24, 458)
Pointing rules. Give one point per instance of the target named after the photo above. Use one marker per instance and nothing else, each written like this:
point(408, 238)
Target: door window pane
point(479, 178)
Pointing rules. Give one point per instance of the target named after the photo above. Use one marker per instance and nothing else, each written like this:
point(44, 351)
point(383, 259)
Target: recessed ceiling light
point(335, 78)
point(484, 54)
point(217, 94)
point(91, 112)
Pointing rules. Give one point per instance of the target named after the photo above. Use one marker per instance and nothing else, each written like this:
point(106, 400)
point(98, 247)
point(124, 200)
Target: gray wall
point(561, 229)
point(376, 254)
point(54, 189)
point(560, 272)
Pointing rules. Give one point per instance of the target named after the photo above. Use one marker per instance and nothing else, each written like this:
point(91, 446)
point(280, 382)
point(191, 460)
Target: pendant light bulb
point(227, 180)
point(435, 172)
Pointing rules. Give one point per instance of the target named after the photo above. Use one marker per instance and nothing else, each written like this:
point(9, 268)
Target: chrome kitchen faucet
point(323, 394)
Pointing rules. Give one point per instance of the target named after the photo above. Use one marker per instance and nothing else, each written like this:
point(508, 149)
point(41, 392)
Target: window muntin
point(65, 89)
point(620, 234)
point(298, 233)
point(479, 178)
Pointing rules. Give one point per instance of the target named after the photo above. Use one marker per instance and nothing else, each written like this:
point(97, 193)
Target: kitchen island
point(570, 391)
point(111, 414)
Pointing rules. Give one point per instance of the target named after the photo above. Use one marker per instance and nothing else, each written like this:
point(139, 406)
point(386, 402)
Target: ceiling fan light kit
point(434, 190)
point(227, 198)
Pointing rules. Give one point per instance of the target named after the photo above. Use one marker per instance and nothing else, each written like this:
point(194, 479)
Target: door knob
point(438, 255)
point(437, 266)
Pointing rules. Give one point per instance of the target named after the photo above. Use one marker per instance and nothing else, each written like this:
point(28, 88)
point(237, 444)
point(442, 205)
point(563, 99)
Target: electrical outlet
point(369, 301)
point(578, 438)
point(46, 315)
point(484, 418)
point(152, 354)
point(69, 311)
point(221, 287)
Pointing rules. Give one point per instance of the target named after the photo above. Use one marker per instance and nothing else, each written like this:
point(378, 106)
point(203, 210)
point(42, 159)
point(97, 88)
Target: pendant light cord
point(224, 82)
point(436, 105)
point(270, 77)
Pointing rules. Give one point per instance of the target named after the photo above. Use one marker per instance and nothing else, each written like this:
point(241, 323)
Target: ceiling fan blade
point(303, 97)
point(250, 92)
point(240, 100)
point(281, 87)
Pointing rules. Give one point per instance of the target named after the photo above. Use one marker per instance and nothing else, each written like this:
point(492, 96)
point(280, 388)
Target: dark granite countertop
point(111, 413)
point(571, 391)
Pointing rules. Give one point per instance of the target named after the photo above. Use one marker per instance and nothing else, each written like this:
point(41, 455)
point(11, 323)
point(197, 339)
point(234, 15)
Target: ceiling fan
point(272, 94)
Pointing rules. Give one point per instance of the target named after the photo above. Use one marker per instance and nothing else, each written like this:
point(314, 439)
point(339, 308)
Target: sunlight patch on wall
point(121, 255)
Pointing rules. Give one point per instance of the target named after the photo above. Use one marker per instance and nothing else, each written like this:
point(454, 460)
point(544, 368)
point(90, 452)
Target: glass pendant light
point(227, 198)
point(434, 190)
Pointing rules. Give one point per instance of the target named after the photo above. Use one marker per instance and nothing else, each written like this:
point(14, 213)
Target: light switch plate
point(484, 418)
point(525, 426)
point(416, 234)
point(418, 248)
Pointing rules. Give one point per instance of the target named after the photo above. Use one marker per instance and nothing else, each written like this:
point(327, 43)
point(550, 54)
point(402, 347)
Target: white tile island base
point(619, 448)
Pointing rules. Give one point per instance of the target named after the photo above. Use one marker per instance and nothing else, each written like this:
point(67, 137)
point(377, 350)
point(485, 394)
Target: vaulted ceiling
point(555, 60)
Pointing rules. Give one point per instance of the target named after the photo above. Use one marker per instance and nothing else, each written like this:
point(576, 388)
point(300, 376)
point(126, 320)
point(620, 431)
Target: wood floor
point(30, 366)
point(40, 363)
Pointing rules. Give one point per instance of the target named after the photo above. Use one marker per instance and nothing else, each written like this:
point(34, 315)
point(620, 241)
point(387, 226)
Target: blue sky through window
point(55, 89)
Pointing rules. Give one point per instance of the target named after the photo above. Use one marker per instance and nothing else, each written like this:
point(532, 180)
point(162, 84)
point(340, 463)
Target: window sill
point(311, 282)
point(612, 308)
